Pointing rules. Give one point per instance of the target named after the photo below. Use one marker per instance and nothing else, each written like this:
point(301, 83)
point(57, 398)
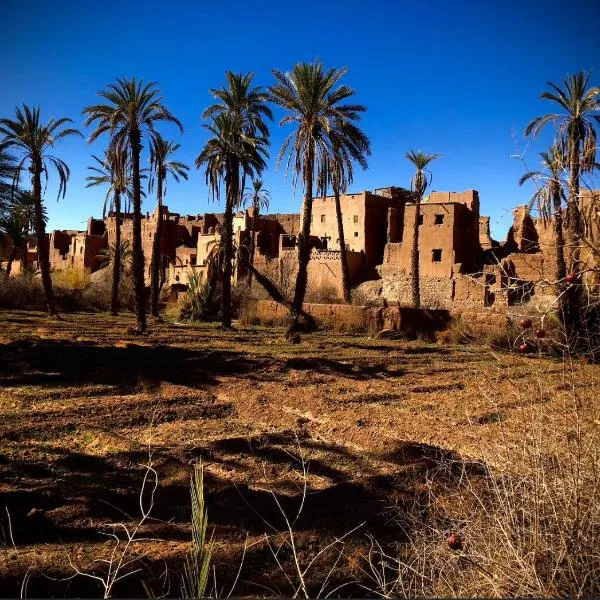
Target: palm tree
point(131, 114)
point(349, 144)
point(258, 198)
point(231, 153)
point(31, 140)
point(161, 167)
point(239, 118)
point(119, 256)
point(7, 175)
point(549, 197)
point(418, 184)
point(21, 215)
point(314, 105)
point(113, 171)
point(580, 104)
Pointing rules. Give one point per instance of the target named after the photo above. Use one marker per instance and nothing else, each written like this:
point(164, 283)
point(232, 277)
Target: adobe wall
point(348, 317)
point(324, 221)
point(433, 236)
point(334, 316)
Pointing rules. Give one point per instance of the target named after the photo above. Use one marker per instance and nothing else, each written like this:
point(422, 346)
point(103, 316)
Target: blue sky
point(462, 79)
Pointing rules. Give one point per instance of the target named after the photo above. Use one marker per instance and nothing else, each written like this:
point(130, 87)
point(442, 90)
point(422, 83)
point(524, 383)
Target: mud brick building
point(460, 265)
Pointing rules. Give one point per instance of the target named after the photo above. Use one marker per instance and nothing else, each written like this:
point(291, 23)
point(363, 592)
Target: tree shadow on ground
point(72, 493)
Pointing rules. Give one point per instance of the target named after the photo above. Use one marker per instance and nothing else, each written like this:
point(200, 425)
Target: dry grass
point(415, 439)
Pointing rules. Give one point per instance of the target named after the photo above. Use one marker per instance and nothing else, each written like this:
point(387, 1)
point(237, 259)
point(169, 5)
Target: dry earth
point(81, 402)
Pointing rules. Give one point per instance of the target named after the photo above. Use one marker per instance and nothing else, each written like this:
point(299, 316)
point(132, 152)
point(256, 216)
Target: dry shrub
point(71, 279)
point(323, 294)
point(529, 522)
point(23, 291)
point(97, 296)
point(461, 331)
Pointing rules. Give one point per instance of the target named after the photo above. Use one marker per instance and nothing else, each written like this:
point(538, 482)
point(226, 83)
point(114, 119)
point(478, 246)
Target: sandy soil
point(81, 402)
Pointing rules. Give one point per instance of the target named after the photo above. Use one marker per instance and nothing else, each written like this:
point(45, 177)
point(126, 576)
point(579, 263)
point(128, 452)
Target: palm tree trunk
point(414, 257)
point(342, 239)
point(232, 193)
point(252, 243)
point(13, 255)
point(137, 249)
point(572, 305)
point(561, 268)
point(116, 273)
point(42, 241)
point(156, 246)
point(303, 241)
point(24, 259)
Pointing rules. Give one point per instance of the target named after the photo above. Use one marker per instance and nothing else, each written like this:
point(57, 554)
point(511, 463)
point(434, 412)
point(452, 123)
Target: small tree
point(258, 198)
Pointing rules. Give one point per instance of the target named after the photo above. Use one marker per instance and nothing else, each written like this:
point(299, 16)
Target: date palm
point(580, 105)
point(18, 223)
point(31, 140)
point(349, 144)
point(313, 105)
point(7, 175)
point(230, 154)
point(114, 172)
point(161, 167)
point(258, 198)
point(418, 184)
point(129, 116)
point(239, 119)
point(580, 110)
point(549, 197)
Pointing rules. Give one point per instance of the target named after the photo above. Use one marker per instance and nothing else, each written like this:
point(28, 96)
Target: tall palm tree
point(314, 105)
point(113, 171)
point(549, 197)
point(418, 184)
point(239, 114)
point(258, 198)
point(162, 166)
point(349, 144)
point(230, 154)
point(580, 108)
point(130, 115)
point(31, 140)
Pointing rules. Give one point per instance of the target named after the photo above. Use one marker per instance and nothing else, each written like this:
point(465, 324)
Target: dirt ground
point(82, 402)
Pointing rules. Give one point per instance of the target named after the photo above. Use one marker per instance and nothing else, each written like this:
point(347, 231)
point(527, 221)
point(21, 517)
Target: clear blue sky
point(459, 79)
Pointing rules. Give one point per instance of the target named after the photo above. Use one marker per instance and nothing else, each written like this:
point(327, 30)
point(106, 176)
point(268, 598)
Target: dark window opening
point(356, 234)
point(356, 218)
point(436, 255)
point(322, 218)
point(420, 220)
point(439, 219)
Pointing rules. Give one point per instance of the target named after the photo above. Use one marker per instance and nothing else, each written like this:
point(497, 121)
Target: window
point(436, 255)
point(439, 219)
point(81, 250)
point(356, 218)
point(420, 220)
point(356, 234)
point(322, 218)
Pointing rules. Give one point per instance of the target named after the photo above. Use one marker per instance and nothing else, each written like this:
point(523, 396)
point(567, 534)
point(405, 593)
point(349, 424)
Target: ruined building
point(460, 265)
